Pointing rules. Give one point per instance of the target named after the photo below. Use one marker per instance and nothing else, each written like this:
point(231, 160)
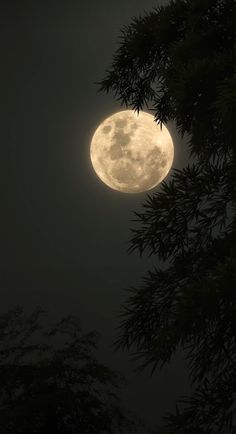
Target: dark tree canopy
point(51, 381)
point(179, 61)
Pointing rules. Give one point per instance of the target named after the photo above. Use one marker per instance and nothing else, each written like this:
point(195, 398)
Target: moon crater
point(130, 152)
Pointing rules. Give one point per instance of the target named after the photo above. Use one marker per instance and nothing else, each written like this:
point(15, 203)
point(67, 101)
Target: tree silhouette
point(179, 61)
point(51, 381)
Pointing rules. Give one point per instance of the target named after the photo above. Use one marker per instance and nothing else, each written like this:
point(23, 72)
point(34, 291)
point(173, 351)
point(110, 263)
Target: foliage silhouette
point(179, 61)
point(51, 381)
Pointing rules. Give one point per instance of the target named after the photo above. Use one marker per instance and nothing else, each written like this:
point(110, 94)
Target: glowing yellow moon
point(130, 153)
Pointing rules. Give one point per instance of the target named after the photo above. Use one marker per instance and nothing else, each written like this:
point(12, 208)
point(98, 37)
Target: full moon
point(130, 152)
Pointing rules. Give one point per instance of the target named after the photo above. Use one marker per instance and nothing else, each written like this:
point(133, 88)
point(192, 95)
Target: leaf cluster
point(51, 381)
point(179, 61)
point(185, 215)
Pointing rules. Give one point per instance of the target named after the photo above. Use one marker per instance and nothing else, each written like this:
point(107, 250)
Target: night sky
point(64, 234)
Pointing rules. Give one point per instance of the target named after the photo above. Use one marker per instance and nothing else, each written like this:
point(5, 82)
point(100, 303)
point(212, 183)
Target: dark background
point(64, 234)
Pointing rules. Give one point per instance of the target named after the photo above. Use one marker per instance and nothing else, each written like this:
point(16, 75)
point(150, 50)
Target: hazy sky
point(64, 234)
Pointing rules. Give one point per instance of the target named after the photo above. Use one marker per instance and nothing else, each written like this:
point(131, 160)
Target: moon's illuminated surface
point(130, 152)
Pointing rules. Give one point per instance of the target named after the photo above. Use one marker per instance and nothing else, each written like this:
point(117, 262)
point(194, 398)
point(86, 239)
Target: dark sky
point(64, 234)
